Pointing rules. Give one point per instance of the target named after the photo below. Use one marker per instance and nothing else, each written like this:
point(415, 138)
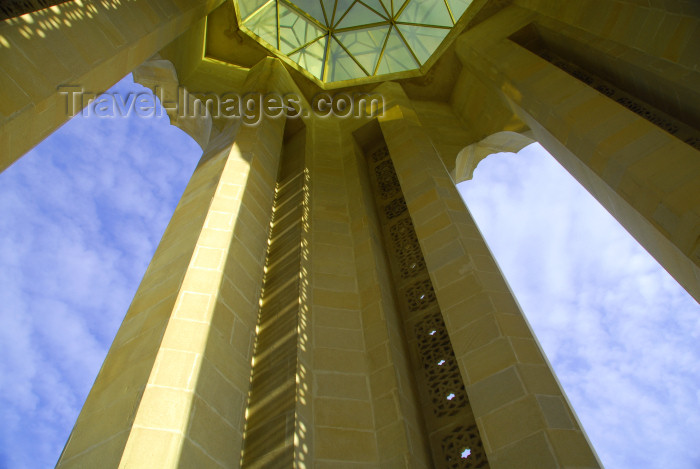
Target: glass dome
point(337, 40)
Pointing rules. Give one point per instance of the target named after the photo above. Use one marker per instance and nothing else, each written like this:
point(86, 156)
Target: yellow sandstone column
point(522, 414)
point(344, 423)
point(173, 389)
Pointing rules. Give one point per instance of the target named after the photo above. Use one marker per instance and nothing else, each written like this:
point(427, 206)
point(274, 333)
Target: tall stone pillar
point(602, 108)
point(344, 424)
point(401, 437)
point(523, 417)
point(173, 389)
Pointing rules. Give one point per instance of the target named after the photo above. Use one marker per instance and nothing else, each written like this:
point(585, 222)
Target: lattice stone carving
point(693, 142)
point(443, 397)
point(648, 114)
point(662, 117)
point(14, 8)
point(389, 186)
point(380, 154)
point(606, 90)
point(406, 248)
point(395, 208)
point(461, 438)
point(569, 68)
point(440, 367)
point(420, 295)
point(631, 102)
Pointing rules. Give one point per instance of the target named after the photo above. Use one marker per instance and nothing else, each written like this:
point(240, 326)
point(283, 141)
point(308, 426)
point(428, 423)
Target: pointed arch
point(470, 157)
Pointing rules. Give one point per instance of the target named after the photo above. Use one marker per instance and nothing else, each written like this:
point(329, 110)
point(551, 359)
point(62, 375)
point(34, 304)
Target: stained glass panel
point(312, 8)
point(357, 16)
point(422, 40)
point(340, 65)
point(426, 12)
point(264, 23)
point(397, 57)
point(377, 6)
point(295, 30)
point(458, 7)
point(365, 45)
point(249, 7)
point(368, 37)
point(311, 57)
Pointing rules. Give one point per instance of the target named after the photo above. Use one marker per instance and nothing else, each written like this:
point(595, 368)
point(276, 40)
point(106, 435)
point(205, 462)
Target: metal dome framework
point(338, 40)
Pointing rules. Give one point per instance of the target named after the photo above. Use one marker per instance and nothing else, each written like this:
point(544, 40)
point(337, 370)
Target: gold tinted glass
point(338, 40)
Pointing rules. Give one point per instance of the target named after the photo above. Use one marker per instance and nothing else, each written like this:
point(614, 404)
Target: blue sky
point(81, 215)
point(621, 334)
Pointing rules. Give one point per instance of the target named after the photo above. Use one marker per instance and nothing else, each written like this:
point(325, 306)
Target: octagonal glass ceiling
point(338, 40)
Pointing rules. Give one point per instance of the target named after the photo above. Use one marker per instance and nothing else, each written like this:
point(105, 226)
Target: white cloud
point(620, 332)
point(80, 217)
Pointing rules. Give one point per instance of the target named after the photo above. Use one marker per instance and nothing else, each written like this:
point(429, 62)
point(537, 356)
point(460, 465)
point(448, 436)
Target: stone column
point(172, 391)
point(647, 178)
point(523, 415)
point(343, 425)
point(87, 44)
